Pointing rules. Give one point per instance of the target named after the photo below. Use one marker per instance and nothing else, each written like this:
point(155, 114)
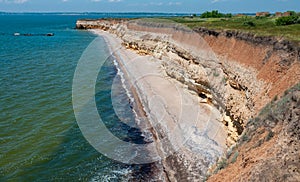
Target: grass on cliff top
point(264, 26)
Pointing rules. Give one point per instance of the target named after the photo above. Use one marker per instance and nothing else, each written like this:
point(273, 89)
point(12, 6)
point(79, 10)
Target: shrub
point(249, 23)
point(229, 152)
point(244, 138)
point(293, 13)
point(215, 14)
point(260, 17)
point(236, 154)
point(221, 165)
point(216, 74)
point(286, 20)
point(270, 135)
point(228, 15)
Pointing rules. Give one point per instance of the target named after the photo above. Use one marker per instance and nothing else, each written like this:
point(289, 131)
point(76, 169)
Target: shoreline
point(239, 88)
point(180, 125)
point(138, 107)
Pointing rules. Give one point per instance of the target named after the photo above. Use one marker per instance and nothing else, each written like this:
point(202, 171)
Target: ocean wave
point(127, 91)
point(124, 174)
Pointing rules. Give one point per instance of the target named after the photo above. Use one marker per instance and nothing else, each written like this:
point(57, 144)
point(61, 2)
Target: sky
point(173, 6)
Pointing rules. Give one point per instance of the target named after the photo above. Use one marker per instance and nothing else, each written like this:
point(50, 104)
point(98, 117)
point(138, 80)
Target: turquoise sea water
point(39, 138)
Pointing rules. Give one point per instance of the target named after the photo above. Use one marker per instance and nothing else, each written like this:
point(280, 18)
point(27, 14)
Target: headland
point(234, 95)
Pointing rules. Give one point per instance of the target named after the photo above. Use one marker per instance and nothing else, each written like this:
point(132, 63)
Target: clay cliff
point(237, 73)
point(268, 150)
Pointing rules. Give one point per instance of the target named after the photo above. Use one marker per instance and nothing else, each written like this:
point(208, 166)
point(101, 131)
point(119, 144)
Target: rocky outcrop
point(238, 73)
point(103, 24)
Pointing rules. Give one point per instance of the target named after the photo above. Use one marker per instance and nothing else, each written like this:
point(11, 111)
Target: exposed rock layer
point(236, 72)
point(269, 148)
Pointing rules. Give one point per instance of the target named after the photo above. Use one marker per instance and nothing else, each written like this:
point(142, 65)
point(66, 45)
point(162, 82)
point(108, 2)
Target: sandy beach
point(179, 123)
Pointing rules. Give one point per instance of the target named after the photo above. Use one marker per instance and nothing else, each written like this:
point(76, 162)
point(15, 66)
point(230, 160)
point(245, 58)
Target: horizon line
point(132, 12)
point(98, 12)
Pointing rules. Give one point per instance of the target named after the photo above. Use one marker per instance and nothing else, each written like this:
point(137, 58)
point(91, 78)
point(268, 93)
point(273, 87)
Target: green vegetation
point(215, 14)
point(235, 155)
point(275, 98)
point(261, 26)
point(293, 13)
point(270, 135)
point(273, 114)
point(249, 23)
point(244, 138)
point(216, 74)
point(287, 20)
point(221, 165)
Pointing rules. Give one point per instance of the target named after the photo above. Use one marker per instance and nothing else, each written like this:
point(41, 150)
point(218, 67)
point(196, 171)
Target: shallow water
point(39, 138)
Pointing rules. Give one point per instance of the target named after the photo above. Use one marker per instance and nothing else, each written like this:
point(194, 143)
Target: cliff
point(237, 73)
point(269, 148)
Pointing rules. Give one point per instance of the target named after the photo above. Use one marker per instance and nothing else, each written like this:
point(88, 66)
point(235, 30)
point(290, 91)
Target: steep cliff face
point(275, 61)
point(235, 72)
point(269, 147)
point(262, 67)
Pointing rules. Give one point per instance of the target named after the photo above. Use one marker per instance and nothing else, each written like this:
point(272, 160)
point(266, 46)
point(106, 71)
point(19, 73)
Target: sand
point(174, 114)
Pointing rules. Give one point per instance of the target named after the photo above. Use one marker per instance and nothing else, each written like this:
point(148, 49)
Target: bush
point(260, 17)
point(228, 15)
point(293, 13)
point(286, 20)
point(249, 23)
point(270, 135)
point(215, 14)
point(244, 138)
point(236, 154)
point(221, 165)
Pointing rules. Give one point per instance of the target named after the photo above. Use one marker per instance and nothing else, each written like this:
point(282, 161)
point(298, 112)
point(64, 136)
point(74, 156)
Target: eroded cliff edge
point(237, 73)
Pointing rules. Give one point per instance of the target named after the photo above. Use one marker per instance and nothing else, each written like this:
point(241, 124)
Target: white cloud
point(156, 4)
point(216, 1)
point(114, 1)
point(161, 3)
point(174, 3)
point(14, 1)
point(95, 0)
point(64, 0)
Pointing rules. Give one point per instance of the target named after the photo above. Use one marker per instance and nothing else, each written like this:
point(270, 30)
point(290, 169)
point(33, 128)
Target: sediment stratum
point(245, 78)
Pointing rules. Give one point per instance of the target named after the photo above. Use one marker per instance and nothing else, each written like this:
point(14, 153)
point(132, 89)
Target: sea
point(40, 139)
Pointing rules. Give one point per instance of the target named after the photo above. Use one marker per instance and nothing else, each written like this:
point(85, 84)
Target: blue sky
point(188, 6)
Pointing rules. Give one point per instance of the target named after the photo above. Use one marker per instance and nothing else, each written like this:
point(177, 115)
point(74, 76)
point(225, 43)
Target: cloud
point(156, 4)
point(161, 3)
point(95, 0)
point(64, 0)
point(14, 1)
point(114, 1)
point(174, 3)
point(216, 1)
